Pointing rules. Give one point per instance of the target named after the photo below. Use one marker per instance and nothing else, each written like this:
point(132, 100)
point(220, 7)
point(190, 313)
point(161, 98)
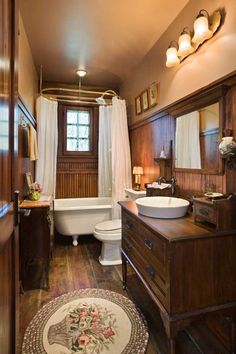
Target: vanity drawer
point(149, 244)
point(205, 212)
point(147, 269)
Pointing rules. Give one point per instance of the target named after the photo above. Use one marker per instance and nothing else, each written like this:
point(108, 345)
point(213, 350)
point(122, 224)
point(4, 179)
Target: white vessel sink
point(162, 207)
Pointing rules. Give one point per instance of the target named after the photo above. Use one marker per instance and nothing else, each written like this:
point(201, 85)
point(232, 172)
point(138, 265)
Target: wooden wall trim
point(216, 89)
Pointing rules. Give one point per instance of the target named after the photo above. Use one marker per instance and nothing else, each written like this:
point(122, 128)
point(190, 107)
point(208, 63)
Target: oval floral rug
point(89, 321)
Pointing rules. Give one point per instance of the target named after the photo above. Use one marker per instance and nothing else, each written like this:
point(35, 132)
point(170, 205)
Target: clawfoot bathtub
point(78, 216)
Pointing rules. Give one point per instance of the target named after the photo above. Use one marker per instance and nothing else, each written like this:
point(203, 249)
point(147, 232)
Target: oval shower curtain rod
point(51, 93)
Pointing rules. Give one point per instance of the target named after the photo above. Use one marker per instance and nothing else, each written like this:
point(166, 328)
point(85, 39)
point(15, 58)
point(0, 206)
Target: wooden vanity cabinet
point(188, 271)
point(35, 245)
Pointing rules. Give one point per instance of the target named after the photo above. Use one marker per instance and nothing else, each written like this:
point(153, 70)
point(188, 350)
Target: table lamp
point(137, 172)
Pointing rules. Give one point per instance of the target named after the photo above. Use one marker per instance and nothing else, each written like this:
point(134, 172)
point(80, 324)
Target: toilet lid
point(110, 225)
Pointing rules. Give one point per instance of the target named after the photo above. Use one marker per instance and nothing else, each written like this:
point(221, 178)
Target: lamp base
point(137, 187)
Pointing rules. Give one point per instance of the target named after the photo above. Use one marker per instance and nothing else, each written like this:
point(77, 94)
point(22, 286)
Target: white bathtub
point(78, 216)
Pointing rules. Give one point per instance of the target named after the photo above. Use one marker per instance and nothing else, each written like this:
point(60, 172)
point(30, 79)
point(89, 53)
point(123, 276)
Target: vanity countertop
point(173, 229)
point(44, 202)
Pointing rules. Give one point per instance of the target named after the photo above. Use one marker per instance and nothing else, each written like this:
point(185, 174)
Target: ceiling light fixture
point(204, 28)
point(81, 72)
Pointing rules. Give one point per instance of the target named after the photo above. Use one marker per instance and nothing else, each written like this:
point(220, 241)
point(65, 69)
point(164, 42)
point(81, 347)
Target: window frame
point(92, 141)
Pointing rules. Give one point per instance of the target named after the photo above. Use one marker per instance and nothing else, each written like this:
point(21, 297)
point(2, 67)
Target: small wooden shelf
point(164, 159)
point(230, 161)
point(165, 166)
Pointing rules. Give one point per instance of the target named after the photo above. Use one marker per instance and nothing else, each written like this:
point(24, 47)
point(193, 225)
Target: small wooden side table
point(35, 243)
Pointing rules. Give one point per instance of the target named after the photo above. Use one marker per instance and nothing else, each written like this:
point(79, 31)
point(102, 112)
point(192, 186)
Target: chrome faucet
point(161, 180)
point(173, 181)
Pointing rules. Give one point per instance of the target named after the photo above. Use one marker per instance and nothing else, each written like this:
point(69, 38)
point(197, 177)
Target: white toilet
point(109, 233)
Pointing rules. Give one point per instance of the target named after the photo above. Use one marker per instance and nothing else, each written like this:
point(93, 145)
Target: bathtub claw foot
point(75, 240)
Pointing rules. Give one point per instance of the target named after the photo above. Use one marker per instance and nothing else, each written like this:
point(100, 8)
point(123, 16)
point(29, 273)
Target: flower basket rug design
point(89, 321)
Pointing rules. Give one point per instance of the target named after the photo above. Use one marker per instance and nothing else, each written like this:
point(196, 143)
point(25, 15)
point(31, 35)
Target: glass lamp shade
point(201, 30)
point(185, 47)
point(81, 72)
point(137, 170)
point(172, 57)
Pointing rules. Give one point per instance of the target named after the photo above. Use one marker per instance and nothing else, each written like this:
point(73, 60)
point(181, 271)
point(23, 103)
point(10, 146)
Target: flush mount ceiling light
point(204, 28)
point(81, 72)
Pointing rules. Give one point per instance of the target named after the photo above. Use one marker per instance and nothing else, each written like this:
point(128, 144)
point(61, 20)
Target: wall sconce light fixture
point(137, 172)
point(185, 46)
point(204, 28)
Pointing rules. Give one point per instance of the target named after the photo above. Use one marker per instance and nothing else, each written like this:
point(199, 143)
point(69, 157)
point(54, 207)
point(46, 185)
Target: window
point(78, 130)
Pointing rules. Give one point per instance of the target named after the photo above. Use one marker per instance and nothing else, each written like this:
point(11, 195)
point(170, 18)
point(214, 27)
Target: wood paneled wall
point(77, 176)
point(77, 179)
point(149, 136)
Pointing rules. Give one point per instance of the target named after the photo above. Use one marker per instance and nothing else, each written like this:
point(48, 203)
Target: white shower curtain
point(104, 152)
point(121, 161)
point(187, 145)
point(46, 112)
point(115, 166)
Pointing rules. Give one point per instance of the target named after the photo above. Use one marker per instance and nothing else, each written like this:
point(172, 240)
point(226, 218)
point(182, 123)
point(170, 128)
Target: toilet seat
point(111, 227)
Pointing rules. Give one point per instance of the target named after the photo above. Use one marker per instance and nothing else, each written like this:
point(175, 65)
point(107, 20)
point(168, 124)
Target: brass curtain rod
point(72, 101)
point(101, 93)
point(45, 92)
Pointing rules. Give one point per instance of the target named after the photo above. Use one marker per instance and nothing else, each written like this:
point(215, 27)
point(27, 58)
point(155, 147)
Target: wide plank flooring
point(73, 268)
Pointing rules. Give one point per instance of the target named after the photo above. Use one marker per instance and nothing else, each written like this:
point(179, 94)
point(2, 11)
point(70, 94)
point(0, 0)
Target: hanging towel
point(33, 146)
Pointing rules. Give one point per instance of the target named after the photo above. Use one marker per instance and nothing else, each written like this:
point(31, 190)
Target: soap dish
point(212, 195)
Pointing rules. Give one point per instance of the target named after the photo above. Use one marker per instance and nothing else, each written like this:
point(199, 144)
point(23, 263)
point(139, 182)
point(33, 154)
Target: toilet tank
point(133, 195)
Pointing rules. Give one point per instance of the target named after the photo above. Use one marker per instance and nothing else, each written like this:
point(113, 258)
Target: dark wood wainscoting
point(77, 174)
point(150, 135)
point(77, 179)
point(147, 142)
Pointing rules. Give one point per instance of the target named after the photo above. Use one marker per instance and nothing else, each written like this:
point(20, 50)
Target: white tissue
point(159, 186)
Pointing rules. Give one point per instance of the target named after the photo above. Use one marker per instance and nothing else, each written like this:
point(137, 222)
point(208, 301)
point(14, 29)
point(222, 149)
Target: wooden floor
point(75, 268)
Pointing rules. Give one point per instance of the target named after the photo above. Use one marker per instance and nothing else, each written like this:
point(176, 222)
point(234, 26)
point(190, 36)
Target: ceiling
point(108, 38)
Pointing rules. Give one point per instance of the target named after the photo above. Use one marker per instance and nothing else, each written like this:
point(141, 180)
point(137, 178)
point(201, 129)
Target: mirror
point(197, 140)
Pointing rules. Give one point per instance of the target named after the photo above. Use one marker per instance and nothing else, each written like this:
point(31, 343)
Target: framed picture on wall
point(144, 100)
point(153, 94)
point(28, 179)
point(138, 107)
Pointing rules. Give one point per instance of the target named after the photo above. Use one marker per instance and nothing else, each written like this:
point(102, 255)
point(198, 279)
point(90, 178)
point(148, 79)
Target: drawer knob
point(204, 211)
point(128, 224)
point(150, 271)
point(148, 243)
point(129, 247)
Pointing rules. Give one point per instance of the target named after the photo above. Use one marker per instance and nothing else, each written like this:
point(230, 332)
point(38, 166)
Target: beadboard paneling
point(77, 184)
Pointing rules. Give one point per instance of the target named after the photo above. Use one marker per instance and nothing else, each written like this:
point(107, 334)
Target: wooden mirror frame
point(199, 100)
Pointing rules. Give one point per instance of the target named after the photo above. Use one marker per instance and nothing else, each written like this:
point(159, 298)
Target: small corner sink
point(162, 207)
